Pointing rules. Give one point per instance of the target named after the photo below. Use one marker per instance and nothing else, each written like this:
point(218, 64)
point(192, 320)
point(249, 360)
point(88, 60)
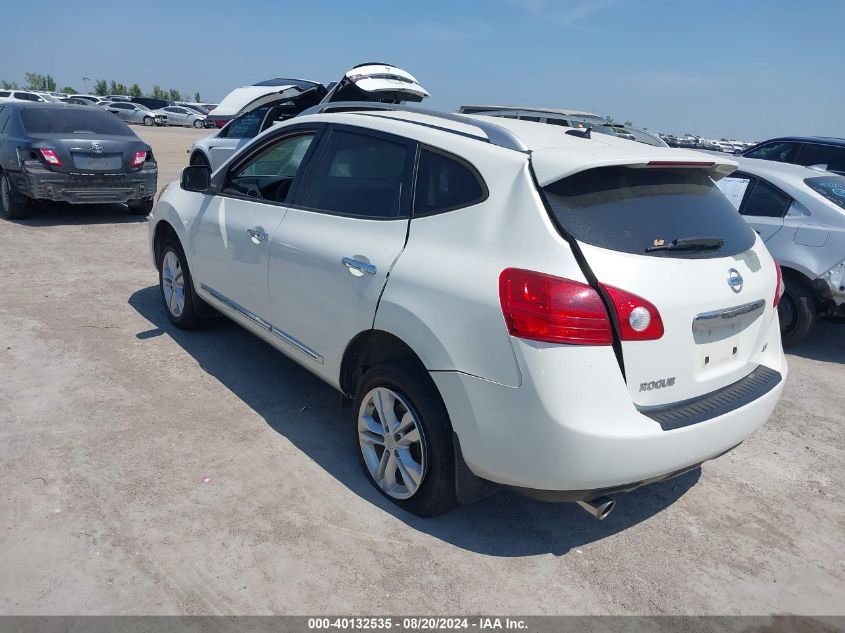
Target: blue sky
point(747, 69)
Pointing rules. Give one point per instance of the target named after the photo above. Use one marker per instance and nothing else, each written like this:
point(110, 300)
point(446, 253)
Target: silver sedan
point(178, 115)
point(136, 113)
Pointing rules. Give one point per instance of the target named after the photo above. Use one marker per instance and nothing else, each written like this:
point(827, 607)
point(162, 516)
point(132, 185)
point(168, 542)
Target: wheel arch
point(369, 348)
point(163, 230)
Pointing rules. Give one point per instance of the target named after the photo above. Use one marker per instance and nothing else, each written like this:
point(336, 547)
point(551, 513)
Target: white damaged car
point(246, 112)
point(502, 303)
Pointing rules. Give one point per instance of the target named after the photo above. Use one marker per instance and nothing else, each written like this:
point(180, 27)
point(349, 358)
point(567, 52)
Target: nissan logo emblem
point(734, 280)
point(97, 148)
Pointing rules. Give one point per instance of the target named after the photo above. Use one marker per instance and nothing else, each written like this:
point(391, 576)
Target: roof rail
point(496, 134)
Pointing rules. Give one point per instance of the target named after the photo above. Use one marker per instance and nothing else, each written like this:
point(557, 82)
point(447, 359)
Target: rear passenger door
point(330, 257)
point(761, 204)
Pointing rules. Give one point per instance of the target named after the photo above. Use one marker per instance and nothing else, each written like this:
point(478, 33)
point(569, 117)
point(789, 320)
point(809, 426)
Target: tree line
point(102, 87)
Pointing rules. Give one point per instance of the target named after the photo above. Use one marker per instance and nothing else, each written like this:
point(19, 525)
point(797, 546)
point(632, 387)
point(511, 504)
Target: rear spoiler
point(551, 165)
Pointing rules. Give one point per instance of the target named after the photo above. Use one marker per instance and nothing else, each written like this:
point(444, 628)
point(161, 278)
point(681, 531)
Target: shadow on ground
point(61, 214)
point(825, 343)
point(279, 390)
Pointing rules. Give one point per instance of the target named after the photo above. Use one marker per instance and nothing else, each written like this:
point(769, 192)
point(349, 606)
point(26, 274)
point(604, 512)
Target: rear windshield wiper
point(689, 244)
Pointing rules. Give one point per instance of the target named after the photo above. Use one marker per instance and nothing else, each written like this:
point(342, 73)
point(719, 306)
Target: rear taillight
point(638, 319)
point(50, 156)
point(139, 159)
point(541, 307)
point(220, 123)
point(780, 288)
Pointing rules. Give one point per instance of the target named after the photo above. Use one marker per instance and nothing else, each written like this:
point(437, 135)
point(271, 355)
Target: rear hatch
point(298, 92)
point(713, 289)
point(378, 82)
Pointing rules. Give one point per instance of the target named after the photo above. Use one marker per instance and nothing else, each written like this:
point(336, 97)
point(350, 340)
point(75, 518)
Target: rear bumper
point(39, 183)
point(571, 431)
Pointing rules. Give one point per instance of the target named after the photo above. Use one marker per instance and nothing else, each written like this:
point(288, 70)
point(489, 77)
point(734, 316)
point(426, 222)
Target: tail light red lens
point(639, 320)
point(50, 156)
point(780, 288)
point(541, 307)
point(139, 159)
point(220, 123)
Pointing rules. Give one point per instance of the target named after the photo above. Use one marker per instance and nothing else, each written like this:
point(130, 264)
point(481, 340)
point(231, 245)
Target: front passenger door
point(232, 236)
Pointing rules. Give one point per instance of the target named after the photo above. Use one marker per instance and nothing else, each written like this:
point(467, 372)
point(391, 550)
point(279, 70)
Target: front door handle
point(357, 265)
point(258, 235)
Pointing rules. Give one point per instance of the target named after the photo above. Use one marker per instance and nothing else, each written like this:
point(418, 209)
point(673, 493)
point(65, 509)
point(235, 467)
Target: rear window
point(831, 187)
point(60, 121)
point(631, 209)
point(247, 125)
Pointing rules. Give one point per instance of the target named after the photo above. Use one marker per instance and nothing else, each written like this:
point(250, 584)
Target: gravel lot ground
point(110, 419)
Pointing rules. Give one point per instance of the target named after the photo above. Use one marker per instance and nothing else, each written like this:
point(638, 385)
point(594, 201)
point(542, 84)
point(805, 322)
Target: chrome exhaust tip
point(600, 508)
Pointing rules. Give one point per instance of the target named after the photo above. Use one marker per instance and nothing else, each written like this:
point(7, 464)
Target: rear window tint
point(831, 187)
point(61, 121)
point(443, 184)
point(247, 125)
point(631, 209)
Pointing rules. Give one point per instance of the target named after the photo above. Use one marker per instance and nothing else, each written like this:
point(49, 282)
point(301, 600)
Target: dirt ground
point(111, 420)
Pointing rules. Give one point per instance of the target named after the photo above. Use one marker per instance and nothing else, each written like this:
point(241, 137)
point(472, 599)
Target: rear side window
point(246, 126)
point(765, 201)
point(830, 186)
point(631, 209)
point(360, 175)
point(830, 156)
point(781, 151)
point(444, 183)
point(50, 120)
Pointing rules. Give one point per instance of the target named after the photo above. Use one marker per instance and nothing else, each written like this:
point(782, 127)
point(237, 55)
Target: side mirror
point(196, 178)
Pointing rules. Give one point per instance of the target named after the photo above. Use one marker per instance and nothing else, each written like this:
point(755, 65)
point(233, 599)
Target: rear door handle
point(356, 264)
point(258, 235)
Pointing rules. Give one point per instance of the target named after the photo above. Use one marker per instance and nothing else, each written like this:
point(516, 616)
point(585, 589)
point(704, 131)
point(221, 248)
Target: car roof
point(510, 108)
point(554, 152)
point(777, 170)
point(830, 140)
point(46, 104)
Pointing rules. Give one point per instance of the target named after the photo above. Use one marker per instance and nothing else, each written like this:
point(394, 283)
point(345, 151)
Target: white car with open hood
point(503, 303)
point(248, 111)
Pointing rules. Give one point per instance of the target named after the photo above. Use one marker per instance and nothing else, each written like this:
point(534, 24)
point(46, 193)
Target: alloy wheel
point(392, 442)
point(173, 284)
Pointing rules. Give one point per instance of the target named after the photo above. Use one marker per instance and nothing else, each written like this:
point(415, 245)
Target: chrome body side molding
point(287, 338)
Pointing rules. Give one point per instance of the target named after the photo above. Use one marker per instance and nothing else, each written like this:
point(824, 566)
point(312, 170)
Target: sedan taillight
point(50, 156)
point(139, 159)
point(780, 287)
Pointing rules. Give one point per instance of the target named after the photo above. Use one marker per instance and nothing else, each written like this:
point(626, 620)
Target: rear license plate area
point(97, 163)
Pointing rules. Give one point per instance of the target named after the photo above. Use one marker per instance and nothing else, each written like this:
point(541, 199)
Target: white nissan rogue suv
point(503, 303)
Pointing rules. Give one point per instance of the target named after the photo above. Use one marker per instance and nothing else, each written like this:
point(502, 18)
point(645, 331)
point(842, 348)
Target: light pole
point(86, 80)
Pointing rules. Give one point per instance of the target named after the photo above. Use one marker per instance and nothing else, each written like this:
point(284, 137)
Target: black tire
point(797, 311)
point(198, 158)
point(187, 319)
point(199, 124)
point(149, 121)
point(140, 207)
point(436, 493)
point(13, 205)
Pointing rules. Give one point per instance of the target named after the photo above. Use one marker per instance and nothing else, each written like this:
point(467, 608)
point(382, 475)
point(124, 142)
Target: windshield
point(831, 187)
point(72, 121)
point(633, 209)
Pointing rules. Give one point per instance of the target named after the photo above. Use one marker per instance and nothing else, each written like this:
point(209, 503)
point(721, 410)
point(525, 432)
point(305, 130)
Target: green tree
point(135, 91)
point(197, 98)
point(8, 85)
point(36, 81)
point(68, 90)
point(158, 93)
point(175, 95)
point(101, 87)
